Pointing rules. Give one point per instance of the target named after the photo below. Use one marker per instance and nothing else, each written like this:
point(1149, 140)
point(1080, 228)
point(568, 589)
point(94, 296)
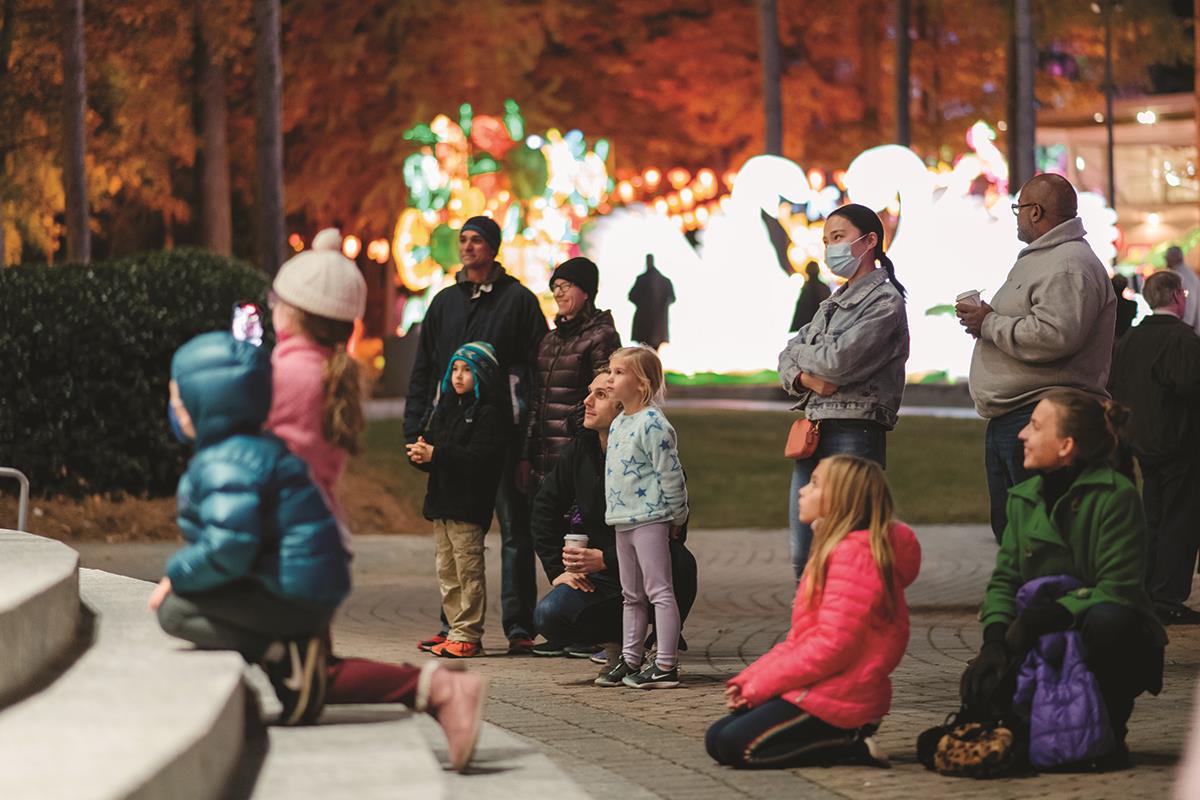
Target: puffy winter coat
point(468, 458)
point(837, 658)
point(246, 505)
point(567, 360)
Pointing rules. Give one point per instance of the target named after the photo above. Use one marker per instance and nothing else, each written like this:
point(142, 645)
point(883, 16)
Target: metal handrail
point(23, 503)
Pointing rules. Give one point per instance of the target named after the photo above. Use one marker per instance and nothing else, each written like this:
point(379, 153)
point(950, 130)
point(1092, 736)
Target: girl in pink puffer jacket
point(818, 696)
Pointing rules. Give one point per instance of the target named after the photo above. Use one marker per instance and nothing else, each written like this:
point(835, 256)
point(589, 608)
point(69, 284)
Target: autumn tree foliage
point(667, 82)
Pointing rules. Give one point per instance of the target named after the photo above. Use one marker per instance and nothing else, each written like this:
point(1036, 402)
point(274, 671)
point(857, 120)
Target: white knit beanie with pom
point(322, 281)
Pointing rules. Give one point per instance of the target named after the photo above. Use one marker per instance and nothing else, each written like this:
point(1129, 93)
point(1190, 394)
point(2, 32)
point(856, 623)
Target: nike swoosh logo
point(295, 681)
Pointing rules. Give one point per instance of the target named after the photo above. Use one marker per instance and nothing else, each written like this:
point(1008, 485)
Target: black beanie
point(580, 271)
point(487, 228)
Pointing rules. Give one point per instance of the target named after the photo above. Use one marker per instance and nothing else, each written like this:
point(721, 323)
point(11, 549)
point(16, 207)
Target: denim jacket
point(859, 341)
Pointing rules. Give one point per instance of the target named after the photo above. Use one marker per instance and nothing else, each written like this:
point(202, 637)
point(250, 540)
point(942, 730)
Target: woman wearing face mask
point(847, 365)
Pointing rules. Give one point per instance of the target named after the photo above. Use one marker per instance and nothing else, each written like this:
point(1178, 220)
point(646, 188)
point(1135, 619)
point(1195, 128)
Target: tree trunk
point(768, 26)
point(1196, 78)
point(903, 77)
point(79, 234)
point(1023, 124)
point(268, 101)
point(868, 46)
point(215, 214)
point(7, 15)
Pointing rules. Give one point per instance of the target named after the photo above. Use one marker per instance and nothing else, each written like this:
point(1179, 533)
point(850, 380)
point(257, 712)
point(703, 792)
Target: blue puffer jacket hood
point(224, 384)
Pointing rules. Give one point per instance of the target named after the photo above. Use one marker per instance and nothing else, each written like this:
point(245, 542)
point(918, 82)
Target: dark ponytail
point(868, 221)
point(1096, 426)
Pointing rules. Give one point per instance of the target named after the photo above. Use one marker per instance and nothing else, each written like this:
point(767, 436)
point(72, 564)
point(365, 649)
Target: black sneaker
point(1177, 615)
point(616, 674)
point(299, 680)
point(652, 677)
point(549, 649)
point(580, 650)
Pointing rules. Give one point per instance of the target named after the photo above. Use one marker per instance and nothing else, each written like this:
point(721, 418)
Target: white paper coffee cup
point(970, 298)
point(575, 540)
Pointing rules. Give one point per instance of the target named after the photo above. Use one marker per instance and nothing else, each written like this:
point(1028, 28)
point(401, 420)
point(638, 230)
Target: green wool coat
point(1096, 532)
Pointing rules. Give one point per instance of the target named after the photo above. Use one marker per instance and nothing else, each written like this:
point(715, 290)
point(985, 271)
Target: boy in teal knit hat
point(463, 452)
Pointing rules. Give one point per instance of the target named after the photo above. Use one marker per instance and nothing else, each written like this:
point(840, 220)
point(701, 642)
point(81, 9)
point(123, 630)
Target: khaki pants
point(461, 577)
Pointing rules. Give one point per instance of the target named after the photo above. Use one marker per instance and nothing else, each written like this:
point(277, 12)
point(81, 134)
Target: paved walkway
point(627, 744)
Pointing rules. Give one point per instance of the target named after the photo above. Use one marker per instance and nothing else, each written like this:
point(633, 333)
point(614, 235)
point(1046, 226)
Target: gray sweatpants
point(644, 559)
point(241, 616)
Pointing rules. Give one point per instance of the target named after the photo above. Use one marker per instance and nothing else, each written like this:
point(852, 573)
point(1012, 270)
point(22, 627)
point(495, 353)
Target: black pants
point(1123, 657)
point(241, 616)
point(1171, 494)
point(518, 581)
point(778, 734)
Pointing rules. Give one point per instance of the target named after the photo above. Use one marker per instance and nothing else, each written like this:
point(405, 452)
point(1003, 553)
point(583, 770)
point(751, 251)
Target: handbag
point(802, 439)
point(982, 749)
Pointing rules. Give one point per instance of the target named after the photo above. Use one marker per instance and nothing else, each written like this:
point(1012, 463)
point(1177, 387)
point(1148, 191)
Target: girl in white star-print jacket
point(646, 501)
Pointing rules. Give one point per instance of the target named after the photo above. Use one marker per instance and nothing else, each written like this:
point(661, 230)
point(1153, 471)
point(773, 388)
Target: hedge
point(85, 356)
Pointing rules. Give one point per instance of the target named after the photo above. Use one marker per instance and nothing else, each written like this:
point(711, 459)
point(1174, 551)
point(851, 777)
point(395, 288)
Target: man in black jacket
point(489, 305)
point(1156, 372)
point(584, 605)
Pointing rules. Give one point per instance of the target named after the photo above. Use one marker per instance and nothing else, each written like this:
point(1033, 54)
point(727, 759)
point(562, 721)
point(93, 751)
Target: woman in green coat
point(1077, 516)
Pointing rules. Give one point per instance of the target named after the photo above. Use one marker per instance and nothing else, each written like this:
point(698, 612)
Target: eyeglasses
point(561, 287)
point(1016, 207)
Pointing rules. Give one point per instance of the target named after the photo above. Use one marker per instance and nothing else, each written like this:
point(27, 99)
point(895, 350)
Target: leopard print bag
point(977, 749)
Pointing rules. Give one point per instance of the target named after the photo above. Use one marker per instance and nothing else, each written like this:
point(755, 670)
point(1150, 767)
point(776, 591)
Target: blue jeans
point(1004, 460)
point(838, 438)
point(569, 616)
point(777, 734)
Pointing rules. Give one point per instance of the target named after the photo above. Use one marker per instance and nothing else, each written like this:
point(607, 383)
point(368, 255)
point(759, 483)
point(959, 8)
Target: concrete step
point(39, 609)
point(386, 751)
point(137, 715)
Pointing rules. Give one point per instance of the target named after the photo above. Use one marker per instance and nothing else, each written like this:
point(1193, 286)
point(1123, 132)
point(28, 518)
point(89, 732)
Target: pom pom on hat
point(322, 281)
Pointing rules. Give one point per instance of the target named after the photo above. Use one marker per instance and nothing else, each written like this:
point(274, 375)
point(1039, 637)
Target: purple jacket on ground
point(1056, 692)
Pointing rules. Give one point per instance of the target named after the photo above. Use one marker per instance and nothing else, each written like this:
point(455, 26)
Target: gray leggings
point(241, 616)
point(644, 559)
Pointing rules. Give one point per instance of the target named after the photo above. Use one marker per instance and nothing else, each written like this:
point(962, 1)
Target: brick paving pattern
point(629, 744)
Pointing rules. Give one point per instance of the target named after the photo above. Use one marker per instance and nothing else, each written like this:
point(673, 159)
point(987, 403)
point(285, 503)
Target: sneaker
point(299, 680)
point(1177, 615)
point(580, 650)
point(599, 657)
point(549, 649)
point(868, 751)
point(608, 655)
point(616, 674)
point(520, 646)
point(452, 649)
point(653, 677)
point(427, 645)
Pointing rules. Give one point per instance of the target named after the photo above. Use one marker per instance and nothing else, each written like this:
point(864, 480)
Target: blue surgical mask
point(176, 429)
point(841, 261)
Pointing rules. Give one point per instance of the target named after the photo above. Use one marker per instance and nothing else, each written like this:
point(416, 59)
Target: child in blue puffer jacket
point(264, 568)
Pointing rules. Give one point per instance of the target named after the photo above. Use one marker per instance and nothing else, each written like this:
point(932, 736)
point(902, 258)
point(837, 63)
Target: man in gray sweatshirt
point(1049, 326)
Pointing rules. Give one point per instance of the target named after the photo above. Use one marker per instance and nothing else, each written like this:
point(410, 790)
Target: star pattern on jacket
point(655, 424)
point(633, 466)
point(641, 492)
point(614, 498)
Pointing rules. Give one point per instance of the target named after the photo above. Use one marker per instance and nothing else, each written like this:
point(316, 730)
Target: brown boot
point(454, 698)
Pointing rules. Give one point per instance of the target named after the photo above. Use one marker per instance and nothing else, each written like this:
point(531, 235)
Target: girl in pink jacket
point(818, 696)
point(316, 409)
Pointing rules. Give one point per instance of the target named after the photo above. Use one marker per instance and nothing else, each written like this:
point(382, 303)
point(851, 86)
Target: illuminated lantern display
point(540, 189)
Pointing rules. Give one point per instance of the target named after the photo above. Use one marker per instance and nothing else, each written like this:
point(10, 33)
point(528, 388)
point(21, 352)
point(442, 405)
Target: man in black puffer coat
point(568, 358)
point(489, 305)
point(584, 605)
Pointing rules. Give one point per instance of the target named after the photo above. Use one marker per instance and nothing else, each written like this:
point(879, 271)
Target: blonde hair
point(646, 368)
point(342, 418)
point(856, 496)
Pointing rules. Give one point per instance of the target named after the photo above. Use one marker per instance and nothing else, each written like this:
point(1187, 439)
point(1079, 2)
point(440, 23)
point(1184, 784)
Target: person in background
point(1051, 325)
point(1077, 516)
point(1191, 286)
point(652, 295)
point(814, 293)
point(818, 696)
point(1126, 309)
point(580, 344)
point(1156, 372)
point(487, 304)
point(847, 365)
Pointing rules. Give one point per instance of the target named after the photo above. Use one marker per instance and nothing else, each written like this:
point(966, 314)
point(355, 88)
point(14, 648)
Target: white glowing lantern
point(351, 247)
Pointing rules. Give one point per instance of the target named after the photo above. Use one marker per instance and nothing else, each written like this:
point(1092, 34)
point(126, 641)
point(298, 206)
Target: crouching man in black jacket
point(583, 607)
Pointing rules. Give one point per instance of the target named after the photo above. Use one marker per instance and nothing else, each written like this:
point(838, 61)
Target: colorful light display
point(540, 188)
